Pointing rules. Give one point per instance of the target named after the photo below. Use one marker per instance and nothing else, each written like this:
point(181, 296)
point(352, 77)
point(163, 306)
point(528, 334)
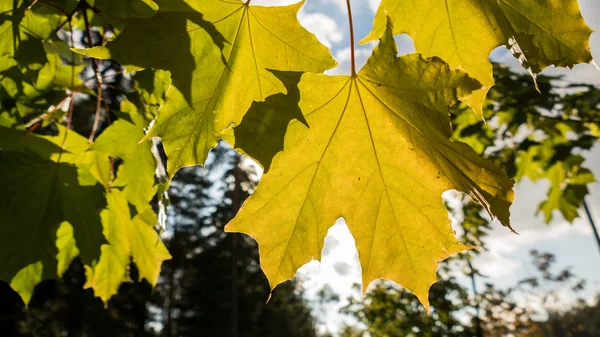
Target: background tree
point(214, 283)
point(389, 310)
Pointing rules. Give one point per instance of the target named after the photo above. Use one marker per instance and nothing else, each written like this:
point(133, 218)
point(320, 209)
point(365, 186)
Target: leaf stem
point(351, 26)
point(36, 122)
point(32, 4)
point(69, 120)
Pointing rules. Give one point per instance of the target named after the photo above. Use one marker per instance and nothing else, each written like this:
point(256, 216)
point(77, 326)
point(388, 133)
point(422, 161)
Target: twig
point(71, 96)
point(591, 220)
point(32, 4)
point(68, 19)
point(96, 66)
point(106, 77)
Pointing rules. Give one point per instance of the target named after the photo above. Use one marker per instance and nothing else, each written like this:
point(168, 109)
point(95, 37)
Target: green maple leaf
point(136, 173)
point(55, 73)
point(218, 53)
point(38, 196)
point(464, 32)
point(23, 21)
point(150, 90)
point(127, 237)
point(376, 153)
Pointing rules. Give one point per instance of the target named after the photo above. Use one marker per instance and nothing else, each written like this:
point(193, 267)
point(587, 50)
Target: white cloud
point(361, 55)
point(323, 26)
point(340, 4)
point(374, 4)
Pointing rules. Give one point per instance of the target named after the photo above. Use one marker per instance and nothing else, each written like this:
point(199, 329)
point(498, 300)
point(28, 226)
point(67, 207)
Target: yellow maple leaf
point(464, 33)
point(377, 153)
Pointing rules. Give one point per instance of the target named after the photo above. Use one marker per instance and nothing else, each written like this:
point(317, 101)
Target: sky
point(507, 258)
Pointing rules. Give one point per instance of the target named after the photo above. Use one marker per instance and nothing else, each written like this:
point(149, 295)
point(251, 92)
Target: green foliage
point(30, 234)
point(194, 293)
point(79, 136)
point(540, 139)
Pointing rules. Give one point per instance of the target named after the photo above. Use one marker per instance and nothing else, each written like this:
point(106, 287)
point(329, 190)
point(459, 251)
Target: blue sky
point(507, 259)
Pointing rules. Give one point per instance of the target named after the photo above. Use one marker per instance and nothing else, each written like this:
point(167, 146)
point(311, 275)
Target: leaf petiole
point(351, 27)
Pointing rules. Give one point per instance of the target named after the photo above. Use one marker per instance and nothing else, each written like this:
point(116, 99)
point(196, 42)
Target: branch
point(68, 19)
point(36, 122)
point(95, 66)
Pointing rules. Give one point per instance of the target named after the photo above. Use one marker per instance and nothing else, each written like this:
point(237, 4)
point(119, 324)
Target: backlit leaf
point(464, 32)
point(377, 153)
point(39, 196)
point(126, 237)
point(26, 279)
point(122, 140)
point(218, 53)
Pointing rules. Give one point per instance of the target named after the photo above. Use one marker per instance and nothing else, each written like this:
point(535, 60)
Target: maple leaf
point(29, 232)
point(136, 173)
point(262, 131)
point(376, 153)
point(218, 53)
point(119, 10)
point(464, 32)
point(20, 22)
point(127, 237)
